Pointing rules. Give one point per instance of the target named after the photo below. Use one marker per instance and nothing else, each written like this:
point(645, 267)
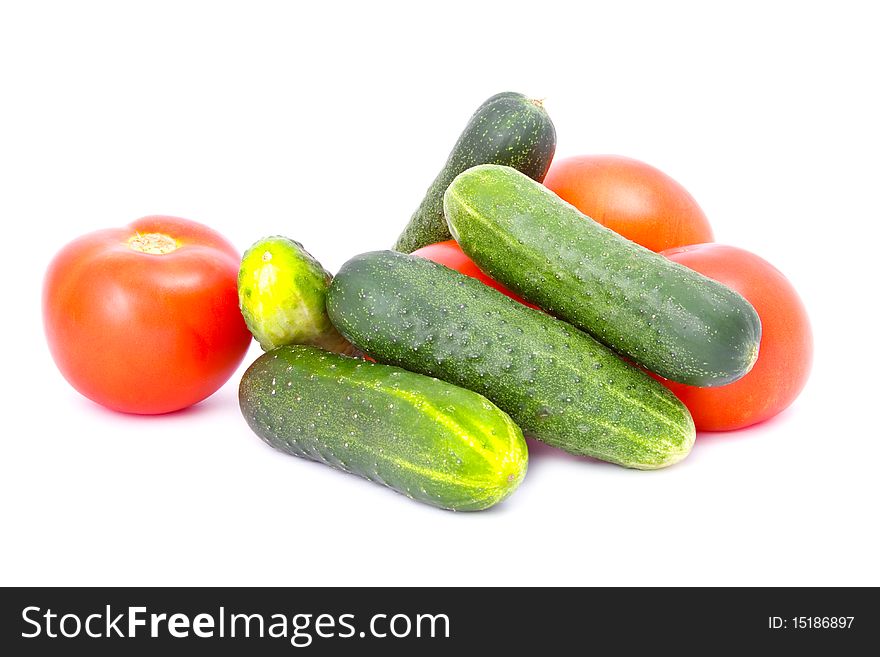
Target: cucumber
point(425, 438)
point(281, 293)
point(662, 315)
point(557, 383)
point(506, 129)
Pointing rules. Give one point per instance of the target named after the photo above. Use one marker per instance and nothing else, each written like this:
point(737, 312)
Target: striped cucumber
point(506, 129)
point(666, 317)
point(559, 384)
point(425, 438)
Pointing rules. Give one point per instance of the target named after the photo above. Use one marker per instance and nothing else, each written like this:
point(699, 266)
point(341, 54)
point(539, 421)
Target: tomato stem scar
point(153, 243)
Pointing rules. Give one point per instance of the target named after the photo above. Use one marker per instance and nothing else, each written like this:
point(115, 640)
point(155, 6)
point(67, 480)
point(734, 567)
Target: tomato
point(449, 253)
point(144, 319)
point(631, 198)
point(786, 350)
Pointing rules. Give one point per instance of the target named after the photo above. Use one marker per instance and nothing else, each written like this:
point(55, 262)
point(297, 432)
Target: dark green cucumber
point(430, 440)
point(662, 315)
point(506, 129)
point(557, 383)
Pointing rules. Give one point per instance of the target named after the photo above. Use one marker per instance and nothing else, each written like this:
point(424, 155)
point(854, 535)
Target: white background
point(325, 122)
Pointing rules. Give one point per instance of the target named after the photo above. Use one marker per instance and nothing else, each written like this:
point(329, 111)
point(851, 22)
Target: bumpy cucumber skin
point(281, 294)
point(507, 129)
point(662, 315)
point(558, 384)
point(430, 440)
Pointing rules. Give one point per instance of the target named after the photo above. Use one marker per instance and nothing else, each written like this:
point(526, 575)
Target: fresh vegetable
point(425, 438)
point(556, 382)
point(666, 317)
point(631, 198)
point(506, 129)
point(281, 292)
point(786, 355)
point(449, 253)
point(144, 318)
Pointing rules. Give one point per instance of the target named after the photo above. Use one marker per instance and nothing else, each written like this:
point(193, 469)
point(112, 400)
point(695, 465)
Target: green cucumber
point(425, 438)
point(506, 129)
point(557, 383)
point(660, 314)
point(281, 293)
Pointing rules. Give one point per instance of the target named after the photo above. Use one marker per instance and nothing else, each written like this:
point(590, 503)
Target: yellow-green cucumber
point(557, 383)
point(428, 439)
point(660, 314)
point(281, 294)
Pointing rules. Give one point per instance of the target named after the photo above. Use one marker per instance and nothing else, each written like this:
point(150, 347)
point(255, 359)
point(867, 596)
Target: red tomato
point(449, 253)
point(145, 319)
point(786, 351)
point(631, 198)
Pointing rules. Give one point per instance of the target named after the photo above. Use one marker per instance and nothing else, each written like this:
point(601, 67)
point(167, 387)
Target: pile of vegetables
point(591, 312)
